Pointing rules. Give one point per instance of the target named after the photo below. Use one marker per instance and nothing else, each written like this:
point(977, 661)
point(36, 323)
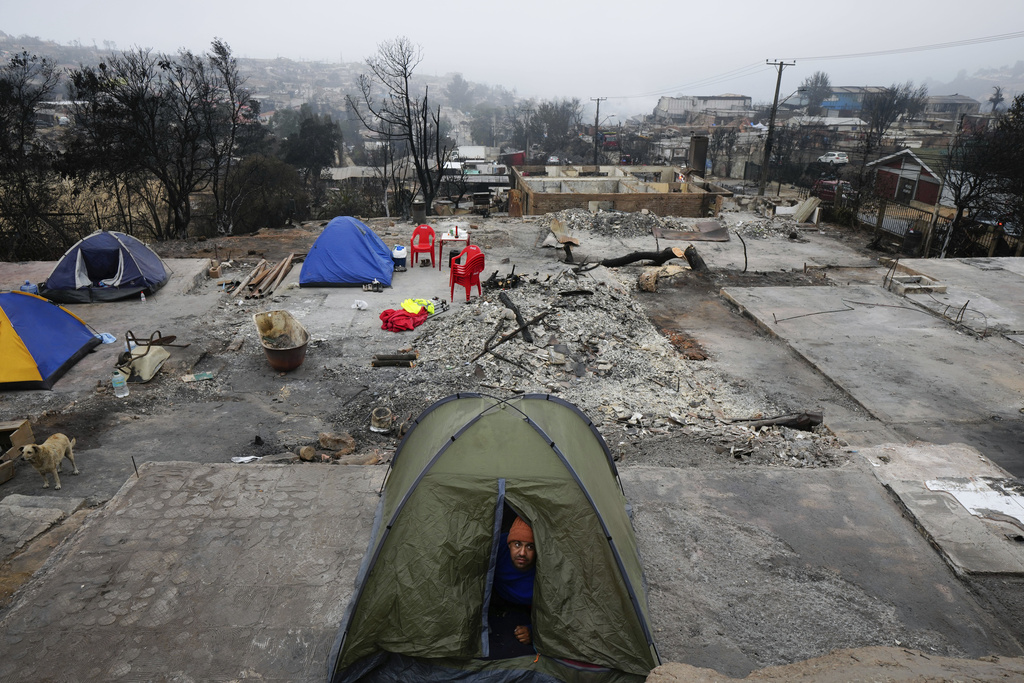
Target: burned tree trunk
point(694, 259)
point(490, 349)
point(656, 257)
point(504, 298)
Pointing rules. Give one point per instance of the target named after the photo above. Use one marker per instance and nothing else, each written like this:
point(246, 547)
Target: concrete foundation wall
point(547, 194)
point(689, 204)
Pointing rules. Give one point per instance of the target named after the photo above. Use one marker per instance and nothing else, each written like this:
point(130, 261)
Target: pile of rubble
point(595, 347)
point(621, 223)
point(764, 228)
point(641, 224)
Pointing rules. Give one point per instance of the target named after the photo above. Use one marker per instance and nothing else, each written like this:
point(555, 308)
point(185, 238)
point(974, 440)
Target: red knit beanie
point(520, 531)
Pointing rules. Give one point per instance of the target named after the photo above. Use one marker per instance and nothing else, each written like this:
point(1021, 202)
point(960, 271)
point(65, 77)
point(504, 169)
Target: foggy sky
point(628, 52)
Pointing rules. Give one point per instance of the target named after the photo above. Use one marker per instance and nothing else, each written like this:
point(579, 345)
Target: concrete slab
point(969, 544)
point(23, 518)
point(67, 505)
point(990, 498)
point(818, 540)
point(857, 431)
point(19, 525)
point(813, 249)
point(907, 368)
point(223, 572)
point(197, 572)
point(966, 544)
point(893, 462)
point(986, 295)
point(764, 366)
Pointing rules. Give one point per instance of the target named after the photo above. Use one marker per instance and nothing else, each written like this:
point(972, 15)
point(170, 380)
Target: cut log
point(802, 421)
point(382, 363)
point(648, 281)
point(694, 259)
point(397, 356)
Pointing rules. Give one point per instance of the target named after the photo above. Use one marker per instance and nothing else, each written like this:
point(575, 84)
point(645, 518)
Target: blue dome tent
point(105, 266)
point(347, 254)
point(39, 341)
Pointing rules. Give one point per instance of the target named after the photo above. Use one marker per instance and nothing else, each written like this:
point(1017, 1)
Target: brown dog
point(48, 457)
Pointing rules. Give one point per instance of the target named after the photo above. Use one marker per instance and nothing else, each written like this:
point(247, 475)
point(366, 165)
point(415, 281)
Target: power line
point(701, 83)
point(921, 48)
point(752, 68)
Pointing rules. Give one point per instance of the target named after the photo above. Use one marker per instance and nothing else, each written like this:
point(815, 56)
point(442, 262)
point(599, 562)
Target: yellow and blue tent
point(39, 341)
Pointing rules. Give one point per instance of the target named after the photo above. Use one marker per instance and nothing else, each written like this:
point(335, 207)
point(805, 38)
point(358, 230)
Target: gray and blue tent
point(105, 266)
point(347, 254)
point(420, 606)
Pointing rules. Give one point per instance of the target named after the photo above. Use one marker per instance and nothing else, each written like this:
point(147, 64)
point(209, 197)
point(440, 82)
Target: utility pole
point(771, 128)
point(597, 118)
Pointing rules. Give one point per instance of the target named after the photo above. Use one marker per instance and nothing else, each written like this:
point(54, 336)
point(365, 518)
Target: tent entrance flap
point(81, 272)
point(485, 630)
point(115, 279)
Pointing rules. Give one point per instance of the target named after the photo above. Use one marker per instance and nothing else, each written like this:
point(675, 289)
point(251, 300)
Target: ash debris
point(627, 224)
point(765, 228)
point(596, 348)
point(621, 223)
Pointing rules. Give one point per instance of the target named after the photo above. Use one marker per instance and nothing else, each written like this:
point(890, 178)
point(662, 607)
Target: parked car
point(554, 161)
point(985, 219)
point(827, 190)
point(834, 158)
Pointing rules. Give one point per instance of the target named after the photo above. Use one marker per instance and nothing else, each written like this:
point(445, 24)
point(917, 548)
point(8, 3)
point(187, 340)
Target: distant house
point(951, 107)
point(836, 124)
point(847, 100)
point(684, 109)
point(905, 178)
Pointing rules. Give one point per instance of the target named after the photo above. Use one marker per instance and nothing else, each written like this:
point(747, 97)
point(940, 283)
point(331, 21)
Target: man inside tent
point(512, 598)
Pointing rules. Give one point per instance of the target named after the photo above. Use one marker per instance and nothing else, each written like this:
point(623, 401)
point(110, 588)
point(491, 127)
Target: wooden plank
point(13, 434)
point(804, 211)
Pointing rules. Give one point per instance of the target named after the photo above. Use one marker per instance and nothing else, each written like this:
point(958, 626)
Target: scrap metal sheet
point(988, 497)
point(707, 231)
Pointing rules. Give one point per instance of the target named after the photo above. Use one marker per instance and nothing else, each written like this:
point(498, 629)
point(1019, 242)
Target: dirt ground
point(672, 379)
point(875, 664)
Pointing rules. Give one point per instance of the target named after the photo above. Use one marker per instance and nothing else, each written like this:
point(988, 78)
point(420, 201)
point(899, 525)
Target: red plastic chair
point(466, 271)
point(469, 250)
point(422, 242)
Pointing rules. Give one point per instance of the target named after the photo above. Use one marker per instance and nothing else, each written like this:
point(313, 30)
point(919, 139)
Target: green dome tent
point(419, 610)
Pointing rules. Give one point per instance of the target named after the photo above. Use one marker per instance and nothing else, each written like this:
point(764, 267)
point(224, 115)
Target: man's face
point(523, 554)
